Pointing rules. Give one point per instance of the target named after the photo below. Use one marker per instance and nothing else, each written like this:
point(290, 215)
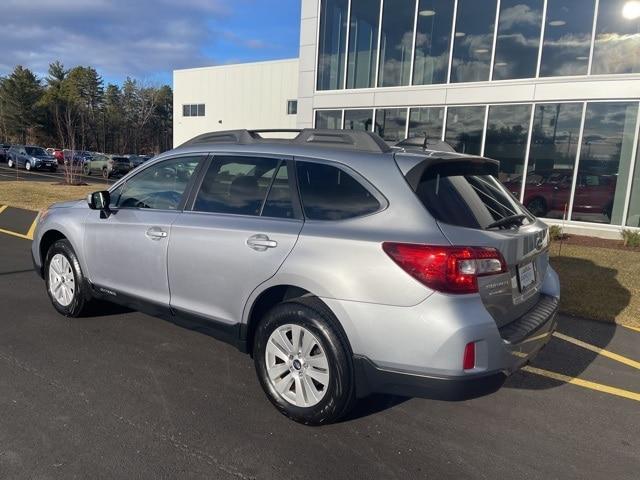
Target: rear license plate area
point(526, 276)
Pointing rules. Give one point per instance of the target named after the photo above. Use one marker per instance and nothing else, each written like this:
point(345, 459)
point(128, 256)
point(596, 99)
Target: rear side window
point(329, 193)
point(458, 197)
point(246, 186)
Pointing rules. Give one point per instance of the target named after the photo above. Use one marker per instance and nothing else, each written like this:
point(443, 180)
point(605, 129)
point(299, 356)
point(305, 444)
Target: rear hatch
point(473, 209)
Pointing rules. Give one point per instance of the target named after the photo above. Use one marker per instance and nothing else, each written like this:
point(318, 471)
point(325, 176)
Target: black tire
point(538, 207)
point(81, 294)
point(313, 315)
point(87, 170)
point(105, 173)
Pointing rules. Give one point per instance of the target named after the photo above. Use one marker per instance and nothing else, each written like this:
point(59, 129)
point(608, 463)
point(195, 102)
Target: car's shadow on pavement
point(102, 308)
point(567, 358)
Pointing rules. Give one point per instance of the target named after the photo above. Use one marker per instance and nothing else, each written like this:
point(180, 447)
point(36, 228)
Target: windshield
point(36, 151)
point(467, 200)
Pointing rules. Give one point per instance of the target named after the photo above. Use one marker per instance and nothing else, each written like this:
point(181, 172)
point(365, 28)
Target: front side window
point(239, 186)
point(159, 187)
point(518, 39)
point(329, 193)
point(473, 41)
point(567, 37)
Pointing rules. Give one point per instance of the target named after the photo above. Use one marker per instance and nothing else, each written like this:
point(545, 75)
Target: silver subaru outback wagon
point(342, 265)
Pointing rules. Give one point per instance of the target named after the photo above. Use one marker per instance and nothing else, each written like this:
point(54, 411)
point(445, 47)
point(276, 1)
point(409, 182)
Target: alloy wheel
point(297, 365)
point(62, 283)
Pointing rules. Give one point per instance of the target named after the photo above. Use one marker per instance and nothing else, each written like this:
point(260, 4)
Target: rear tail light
point(469, 356)
point(445, 268)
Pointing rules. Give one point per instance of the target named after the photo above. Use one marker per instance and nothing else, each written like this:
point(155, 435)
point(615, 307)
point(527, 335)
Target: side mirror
point(99, 201)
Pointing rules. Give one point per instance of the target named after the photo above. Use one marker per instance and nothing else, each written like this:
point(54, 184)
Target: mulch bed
point(596, 242)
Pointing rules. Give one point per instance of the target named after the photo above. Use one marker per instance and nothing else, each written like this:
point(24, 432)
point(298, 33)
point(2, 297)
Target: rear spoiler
point(415, 167)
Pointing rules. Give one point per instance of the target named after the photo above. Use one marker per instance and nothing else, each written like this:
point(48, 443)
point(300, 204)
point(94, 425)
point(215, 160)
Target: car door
point(126, 251)
point(245, 219)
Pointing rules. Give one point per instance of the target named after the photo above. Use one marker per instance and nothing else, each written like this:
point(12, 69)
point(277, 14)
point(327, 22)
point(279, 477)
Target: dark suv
point(31, 158)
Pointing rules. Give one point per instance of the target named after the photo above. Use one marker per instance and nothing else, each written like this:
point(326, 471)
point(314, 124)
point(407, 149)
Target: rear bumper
point(372, 379)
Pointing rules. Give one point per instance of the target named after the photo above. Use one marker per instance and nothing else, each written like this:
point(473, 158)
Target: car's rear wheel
point(304, 363)
point(87, 170)
point(105, 173)
point(65, 282)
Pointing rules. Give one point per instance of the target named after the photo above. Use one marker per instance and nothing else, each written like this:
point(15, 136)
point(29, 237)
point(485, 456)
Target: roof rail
point(341, 139)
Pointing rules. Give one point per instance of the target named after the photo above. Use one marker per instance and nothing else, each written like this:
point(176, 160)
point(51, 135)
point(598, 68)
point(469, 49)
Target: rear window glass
point(472, 201)
point(329, 193)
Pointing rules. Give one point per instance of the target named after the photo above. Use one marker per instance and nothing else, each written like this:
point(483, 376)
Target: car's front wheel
point(64, 279)
point(10, 163)
point(304, 363)
point(27, 165)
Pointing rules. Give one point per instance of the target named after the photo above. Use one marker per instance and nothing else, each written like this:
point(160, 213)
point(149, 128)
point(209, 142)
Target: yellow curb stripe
point(583, 383)
point(15, 234)
point(3, 208)
point(636, 329)
point(598, 350)
point(32, 228)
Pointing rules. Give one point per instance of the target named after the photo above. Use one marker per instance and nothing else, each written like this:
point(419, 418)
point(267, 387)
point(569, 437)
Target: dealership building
point(550, 88)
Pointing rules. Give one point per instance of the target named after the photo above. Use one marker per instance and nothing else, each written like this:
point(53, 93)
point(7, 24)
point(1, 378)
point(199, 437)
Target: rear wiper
point(508, 221)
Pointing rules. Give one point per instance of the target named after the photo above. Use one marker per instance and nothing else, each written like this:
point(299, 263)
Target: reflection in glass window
point(552, 158)
point(329, 193)
point(358, 119)
point(519, 26)
point(433, 40)
point(633, 217)
point(617, 44)
point(567, 37)
point(605, 160)
point(464, 129)
point(473, 40)
point(391, 123)
point(332, 44)
point(426, 120)
point(396, 42)
point(363, 43)
point(331, 119)
point(506, 140)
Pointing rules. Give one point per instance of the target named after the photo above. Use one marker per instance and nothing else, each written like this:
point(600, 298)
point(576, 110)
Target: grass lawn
point(39, 195)
point(599, 283)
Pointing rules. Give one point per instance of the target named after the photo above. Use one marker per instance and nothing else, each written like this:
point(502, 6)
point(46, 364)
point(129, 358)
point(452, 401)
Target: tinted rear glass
point(466, 200)
point(329, 193)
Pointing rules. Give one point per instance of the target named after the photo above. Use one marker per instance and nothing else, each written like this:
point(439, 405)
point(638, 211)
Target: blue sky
point(145, 39)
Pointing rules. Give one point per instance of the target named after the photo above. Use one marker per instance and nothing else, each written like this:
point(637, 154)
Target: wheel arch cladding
point(48, 239)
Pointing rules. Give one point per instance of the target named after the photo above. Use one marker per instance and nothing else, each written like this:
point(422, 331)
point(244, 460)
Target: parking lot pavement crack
point(170, 439)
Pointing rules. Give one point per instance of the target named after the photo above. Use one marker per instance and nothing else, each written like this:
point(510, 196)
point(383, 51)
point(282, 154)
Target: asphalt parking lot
point(124, 395)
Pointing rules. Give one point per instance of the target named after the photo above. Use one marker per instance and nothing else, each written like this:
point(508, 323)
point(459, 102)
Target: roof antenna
point(426, 140)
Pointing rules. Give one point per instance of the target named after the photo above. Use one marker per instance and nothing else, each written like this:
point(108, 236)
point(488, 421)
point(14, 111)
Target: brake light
point(469, 357)
point(445, 268)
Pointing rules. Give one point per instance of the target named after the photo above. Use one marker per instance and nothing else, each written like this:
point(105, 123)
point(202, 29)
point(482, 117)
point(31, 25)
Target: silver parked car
point(342, 265)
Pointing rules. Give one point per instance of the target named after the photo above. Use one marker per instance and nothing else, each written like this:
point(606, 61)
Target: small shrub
point(556, 233)
point(631, 238)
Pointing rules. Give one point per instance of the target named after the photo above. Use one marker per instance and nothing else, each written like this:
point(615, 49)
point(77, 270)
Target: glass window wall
point(358, 119)
point(396, 42)
point(331, 119)
point(363, 43)
point(464, 128)
point(391, 123)
point(433, 41)
point(427, 121)
point(617, 43)
point(332, 44)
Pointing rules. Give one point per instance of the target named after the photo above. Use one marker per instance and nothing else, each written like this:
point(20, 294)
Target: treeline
point(71, 108)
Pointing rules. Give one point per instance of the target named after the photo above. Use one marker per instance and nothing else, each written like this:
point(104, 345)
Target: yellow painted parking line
point(598, 350)
point(3, 208)
point(32, 228)
point(632, 328)
point(15, 234)
point(583, 383)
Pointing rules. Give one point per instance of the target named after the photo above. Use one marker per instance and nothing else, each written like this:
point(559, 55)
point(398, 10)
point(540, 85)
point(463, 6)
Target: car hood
point(69, 204)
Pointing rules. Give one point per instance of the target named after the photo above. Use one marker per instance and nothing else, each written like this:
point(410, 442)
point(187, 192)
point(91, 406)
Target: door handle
point(261, 242)
point(156, 233)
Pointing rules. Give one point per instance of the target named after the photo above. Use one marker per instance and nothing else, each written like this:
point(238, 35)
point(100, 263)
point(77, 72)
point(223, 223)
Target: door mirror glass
point(99, 200)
